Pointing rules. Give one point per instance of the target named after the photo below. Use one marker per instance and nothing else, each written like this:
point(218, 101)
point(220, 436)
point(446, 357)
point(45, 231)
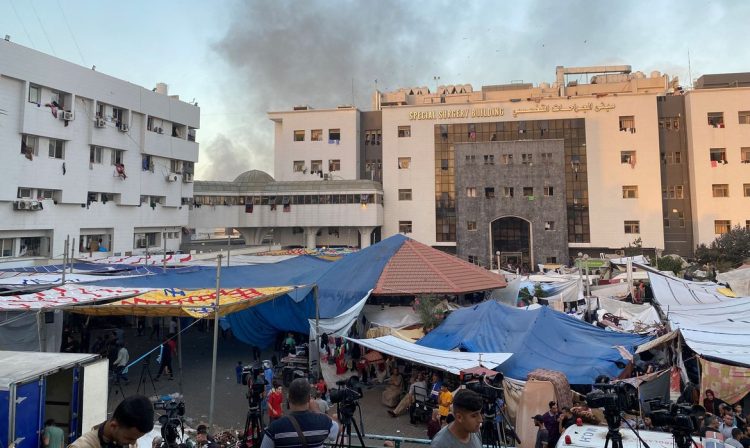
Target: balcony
point(164, 145)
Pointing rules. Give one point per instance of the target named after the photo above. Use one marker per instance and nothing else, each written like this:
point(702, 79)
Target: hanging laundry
point(714, 164)
point(53, 108)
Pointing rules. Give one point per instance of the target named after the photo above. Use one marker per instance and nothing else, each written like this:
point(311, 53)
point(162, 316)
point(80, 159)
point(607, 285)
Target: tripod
point(345, 412)
point(614, 418)
point(253, 427)
point(145, 375)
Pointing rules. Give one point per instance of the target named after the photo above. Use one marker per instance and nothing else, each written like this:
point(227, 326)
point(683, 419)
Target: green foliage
point(427, 309)
point(668, 263)
point(727, 250)
point(538, 291)
point(634, 248)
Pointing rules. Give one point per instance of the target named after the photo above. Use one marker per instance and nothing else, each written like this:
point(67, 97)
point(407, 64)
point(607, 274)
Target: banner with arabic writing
point(198, 303)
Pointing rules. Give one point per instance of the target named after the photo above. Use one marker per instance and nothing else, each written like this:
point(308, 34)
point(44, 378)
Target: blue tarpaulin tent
point(541, 338)
point(341, 285)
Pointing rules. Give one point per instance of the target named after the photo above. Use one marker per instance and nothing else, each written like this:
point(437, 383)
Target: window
point(471, 159)
point(334, 165)
point(745, 155)
point(316, 166)
point(681, 218)
point(56, 149)
point(35, 94)
point(666, 223)
point(471, 192)
point(95, 154)
point(489, 192)
point(471, 226)
point(334, 135)
point(372, 137)
point(546, 157)
point(29, 145)
point(528, 192)
point(630, 191)
point(632, 227)
point(527, 159)
point(677, 157)
point(743, 115)
point(147, 163)
point(299, 166)
point(507, 159)
point(627, 157)
point(551, 260)
point(316, 135)
point(473, 259)
point(627, 123)
point(718, 155)
point(144, 240)
point(6, 247)
point(175, 166)
point(24, 193)
point(404, 227)
point(118, 156)
point(404, 163)
point(678, 192)
point(404, 194)
point(720, 190)
point(45, 194)
point(489, 159)
point(746, 190)
point(404, 131)
point(549, 225)
point(722, 226)
point(299, 136)
point(508, 192)
point(549, 191)
point(716, 119)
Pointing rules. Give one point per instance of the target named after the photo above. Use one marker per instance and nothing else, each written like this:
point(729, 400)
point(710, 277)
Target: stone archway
point(511, 236)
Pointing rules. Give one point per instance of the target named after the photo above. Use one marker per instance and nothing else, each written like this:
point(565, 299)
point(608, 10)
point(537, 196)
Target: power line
point(46, 36)
point(71, 33)
point(22, 25)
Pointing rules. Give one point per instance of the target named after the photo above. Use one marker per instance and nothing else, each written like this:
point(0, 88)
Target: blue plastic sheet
point(539, 339)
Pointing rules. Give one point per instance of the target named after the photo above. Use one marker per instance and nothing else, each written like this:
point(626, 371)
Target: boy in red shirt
point(275, 397)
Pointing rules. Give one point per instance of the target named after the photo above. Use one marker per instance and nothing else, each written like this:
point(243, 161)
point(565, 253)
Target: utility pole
point(164, 258)
point(65, 259)
point(216, 342)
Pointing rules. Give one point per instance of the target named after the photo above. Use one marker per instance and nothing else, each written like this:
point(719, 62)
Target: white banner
point(66, 295)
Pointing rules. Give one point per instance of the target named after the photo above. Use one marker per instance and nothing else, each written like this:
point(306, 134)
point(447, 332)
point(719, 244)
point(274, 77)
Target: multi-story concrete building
point(632, 148)
point(89, 157)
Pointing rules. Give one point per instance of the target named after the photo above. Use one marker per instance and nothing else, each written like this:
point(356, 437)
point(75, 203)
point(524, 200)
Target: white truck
point(70, 388)
point(591, 436)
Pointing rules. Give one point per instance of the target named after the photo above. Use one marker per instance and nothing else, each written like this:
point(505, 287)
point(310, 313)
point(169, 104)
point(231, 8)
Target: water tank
point(162, 88)
point(639, 75)
point(656, 74)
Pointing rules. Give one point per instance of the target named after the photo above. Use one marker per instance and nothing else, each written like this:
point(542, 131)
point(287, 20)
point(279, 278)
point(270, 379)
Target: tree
point(668, 263)
point(729, 249)
point(428, 310)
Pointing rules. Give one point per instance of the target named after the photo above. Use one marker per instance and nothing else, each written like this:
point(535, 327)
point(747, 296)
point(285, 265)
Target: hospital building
point(601, 159)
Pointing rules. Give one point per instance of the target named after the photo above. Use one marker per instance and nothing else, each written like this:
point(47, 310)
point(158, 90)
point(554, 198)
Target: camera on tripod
point(171, 421)
point(678, 417)
point(613, 398)
point(346, 396)
point(491, 390)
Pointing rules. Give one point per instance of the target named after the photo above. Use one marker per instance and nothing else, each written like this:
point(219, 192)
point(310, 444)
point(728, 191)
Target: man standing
point(552, 423)
point(542, 436)
point(133, 418)
point(301, 427)
point(727, 425)
point(734, 441)
point(165, 360)
point(53, 437)
point(463, 431)
point(121, 362)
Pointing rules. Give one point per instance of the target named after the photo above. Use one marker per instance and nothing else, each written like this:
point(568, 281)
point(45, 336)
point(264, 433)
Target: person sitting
point(410, 397)
point(392, 392)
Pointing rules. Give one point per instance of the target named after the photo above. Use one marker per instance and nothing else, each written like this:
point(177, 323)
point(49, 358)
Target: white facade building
point(89, 157)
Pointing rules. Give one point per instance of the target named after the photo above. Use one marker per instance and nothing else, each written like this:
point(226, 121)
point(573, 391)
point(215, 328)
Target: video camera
point(171, 421)
point(679, 417)
point(614, 398)
point(491, 389)
point(252, 377)
point(346, 396)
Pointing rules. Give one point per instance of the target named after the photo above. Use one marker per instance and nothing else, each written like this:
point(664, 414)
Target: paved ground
point(231, 405)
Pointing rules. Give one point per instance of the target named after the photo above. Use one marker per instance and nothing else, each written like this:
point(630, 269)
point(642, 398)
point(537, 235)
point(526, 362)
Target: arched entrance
point(511, 236)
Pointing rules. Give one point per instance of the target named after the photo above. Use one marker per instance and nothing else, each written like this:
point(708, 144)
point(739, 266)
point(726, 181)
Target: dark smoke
point(324, 53)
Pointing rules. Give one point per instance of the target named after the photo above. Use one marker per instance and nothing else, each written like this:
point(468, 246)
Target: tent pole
point(319, 372)
point(216, 342)
point(179, 350)
point(65, 259)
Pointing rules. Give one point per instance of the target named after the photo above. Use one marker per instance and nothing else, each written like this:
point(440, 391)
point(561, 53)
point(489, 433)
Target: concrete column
point(364, 236)
point(310, 236)
point(253, 236)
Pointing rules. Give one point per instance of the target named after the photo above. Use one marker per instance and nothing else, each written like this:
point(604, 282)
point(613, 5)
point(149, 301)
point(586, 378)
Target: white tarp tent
point(738, 280)
point(397, 317)
point(633, 315)
point(449, 361)
point(640, 259)
point(727, 342)
point(672, 292)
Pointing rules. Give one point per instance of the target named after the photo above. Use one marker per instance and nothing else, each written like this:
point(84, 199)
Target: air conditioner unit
point(159, 130)
point(171, 177)
point(124, 127)
point(187, 178)
point(65, 115)
point(100, 123)
point(21, 205)
point(36, 205)
point(620, 252)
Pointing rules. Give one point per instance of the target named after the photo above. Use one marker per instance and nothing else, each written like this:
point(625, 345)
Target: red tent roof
point(419, 269)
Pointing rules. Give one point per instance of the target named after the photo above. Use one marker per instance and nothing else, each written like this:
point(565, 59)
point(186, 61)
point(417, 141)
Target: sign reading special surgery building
point(489, 112)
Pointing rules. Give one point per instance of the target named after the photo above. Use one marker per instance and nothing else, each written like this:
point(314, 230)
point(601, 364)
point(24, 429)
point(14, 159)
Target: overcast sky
point(240, 59)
